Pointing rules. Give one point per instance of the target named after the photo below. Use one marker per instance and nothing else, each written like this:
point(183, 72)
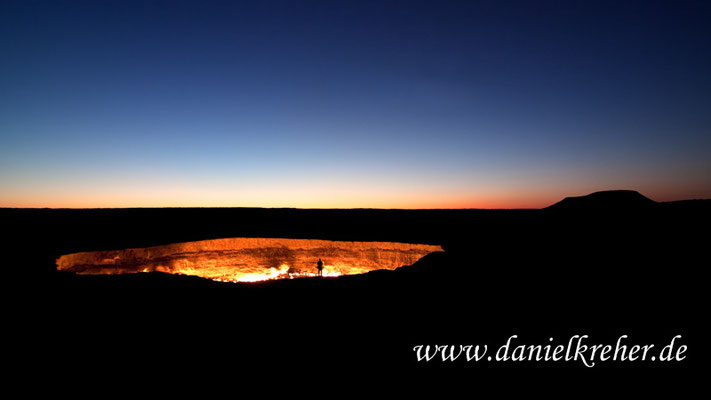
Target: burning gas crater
point(249, 259)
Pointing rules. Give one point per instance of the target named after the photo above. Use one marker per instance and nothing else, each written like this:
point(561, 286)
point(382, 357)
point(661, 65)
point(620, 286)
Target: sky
point(350, 104)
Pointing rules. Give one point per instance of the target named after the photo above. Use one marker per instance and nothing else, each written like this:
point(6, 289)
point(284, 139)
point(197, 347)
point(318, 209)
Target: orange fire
point(281, 273)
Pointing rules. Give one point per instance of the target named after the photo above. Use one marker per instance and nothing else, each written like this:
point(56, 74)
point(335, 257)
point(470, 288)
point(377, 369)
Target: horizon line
point(313, 208)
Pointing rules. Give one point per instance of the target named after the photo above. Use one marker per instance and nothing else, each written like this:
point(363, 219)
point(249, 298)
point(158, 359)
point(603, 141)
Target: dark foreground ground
point(602, 268)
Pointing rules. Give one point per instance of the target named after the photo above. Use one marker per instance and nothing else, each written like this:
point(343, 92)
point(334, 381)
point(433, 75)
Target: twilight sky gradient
point(386, 104)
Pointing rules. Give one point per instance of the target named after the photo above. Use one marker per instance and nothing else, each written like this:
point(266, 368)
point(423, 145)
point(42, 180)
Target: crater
point(250, 259)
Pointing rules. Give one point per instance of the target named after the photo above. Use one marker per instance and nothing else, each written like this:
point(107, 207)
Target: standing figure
point(319, 266)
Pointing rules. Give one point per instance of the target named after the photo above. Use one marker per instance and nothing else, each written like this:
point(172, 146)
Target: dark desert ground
point(604, 265)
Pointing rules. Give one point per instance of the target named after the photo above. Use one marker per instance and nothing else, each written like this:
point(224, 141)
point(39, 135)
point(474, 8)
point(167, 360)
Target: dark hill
point(605, 201)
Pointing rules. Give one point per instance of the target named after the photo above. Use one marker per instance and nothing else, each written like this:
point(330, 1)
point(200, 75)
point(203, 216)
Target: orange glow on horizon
point(422, 203)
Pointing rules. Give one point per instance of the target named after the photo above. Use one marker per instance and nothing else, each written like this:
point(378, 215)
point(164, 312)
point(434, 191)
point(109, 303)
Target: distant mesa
point(605, 201)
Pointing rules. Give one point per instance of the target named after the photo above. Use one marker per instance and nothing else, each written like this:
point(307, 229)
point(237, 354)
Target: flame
point(272, 274)
point(283, 272)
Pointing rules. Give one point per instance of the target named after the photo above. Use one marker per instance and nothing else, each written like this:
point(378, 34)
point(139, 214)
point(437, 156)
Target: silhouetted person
point(319, 266)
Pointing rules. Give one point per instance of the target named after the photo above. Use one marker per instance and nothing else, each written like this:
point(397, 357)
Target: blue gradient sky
point(352, 103)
